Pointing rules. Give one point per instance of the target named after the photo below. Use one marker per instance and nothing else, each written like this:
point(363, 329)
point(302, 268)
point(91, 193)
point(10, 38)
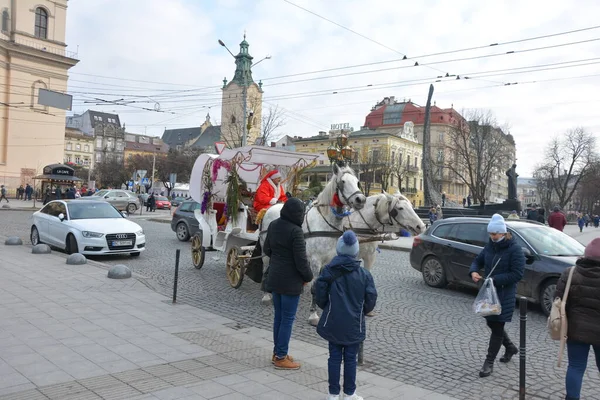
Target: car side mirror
point(106, 197)
point(529, 258)
point(61, 216)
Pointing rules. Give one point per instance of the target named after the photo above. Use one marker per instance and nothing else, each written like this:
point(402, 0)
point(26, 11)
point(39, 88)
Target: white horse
point(383, 213)
point(323, 220)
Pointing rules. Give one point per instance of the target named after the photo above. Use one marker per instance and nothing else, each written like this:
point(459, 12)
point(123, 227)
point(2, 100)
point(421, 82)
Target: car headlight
point(140, 232)
point(88, 234)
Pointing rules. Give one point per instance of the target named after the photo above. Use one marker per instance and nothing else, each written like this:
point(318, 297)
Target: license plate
point(122, 243)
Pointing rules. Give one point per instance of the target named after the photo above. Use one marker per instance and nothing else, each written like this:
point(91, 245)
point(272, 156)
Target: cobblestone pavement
point(421, 336)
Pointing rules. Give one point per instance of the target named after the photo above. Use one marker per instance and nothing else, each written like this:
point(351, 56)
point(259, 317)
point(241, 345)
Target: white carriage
point(220, 183)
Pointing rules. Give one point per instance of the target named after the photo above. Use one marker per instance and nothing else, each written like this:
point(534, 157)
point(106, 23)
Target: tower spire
point(243, 65)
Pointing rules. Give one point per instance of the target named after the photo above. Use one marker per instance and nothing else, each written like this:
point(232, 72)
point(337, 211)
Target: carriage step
point(245, 256)
point(247, 248)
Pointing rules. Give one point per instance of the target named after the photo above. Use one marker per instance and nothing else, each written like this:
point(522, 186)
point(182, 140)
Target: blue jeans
point(578, 358)
point(350, 355)
point(285, 314)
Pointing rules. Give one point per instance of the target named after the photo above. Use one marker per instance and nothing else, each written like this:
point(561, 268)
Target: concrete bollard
point(76, 259)
point(13, 241)
point(41, 249)
point(119, 271)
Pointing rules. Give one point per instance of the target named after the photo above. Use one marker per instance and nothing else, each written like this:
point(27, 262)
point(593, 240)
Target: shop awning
point(63, 178)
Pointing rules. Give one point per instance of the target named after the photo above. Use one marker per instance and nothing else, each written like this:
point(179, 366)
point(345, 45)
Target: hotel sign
point(343, 126)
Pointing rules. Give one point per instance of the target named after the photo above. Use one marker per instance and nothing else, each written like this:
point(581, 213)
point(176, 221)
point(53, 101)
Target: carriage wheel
point(197, 251)
point(235, 267)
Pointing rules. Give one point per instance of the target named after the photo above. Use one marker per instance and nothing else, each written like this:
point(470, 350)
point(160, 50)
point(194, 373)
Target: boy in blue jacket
point(345, 292)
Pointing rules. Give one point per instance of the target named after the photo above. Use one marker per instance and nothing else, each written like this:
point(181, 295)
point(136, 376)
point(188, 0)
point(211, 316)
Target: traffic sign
point(220, 146)
point(145, 181)
point(142, 173)
point(130, 184)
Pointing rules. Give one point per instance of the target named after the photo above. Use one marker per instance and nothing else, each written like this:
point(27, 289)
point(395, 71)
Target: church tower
point(241, 87)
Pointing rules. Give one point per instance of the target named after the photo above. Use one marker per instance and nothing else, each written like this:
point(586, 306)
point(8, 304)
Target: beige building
point(79, 148)
point(383, 160)
point(33, 55)
point(232, 106)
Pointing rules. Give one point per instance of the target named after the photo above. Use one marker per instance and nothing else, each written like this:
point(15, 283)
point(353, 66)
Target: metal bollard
point(177, 252)
point(522, 346)
point(360, 353)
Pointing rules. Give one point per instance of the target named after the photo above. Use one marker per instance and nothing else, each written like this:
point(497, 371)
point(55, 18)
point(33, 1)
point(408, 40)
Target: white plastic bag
point(487, 302)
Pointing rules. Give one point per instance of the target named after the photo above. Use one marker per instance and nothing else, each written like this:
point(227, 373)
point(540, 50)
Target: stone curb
point(161, 220)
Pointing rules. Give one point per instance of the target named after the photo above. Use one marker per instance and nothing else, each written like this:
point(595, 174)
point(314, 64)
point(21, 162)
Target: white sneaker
point(333, 397)
point(353, 397)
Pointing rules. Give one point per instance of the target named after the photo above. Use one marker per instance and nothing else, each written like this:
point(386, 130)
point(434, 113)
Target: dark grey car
point(445, 251)
point(184, 223)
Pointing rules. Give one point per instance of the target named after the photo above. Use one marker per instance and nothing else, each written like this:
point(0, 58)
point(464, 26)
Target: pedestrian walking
point(289, 271)
point(432, 215)
point(580, 222)
point(28, 192)
point(443, 199)
point(513, 215)
point(557, 219)
point(438, 213)
point(3, 194)
point(345, 292)
point(469, 202)
point(596, 220)
point(150, 202)
point(47, 195)
point(464, 202)
point(503, 260)
point(586, 218)
point(583, 309)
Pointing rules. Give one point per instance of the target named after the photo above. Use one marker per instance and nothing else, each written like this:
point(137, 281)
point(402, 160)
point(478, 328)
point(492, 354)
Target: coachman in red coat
point(269, 192)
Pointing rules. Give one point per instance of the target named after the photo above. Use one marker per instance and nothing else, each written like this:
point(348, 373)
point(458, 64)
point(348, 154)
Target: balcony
point(46, 47)
point(412, 169)
point(410, 191)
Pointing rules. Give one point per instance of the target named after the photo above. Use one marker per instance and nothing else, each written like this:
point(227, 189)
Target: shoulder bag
point(557, 321)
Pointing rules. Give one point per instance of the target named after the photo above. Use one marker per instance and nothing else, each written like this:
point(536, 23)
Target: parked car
point(184, 223)
point(162, 203)
point(87, 227)
point(123, 200)
point(177, 201)
point(445, 251)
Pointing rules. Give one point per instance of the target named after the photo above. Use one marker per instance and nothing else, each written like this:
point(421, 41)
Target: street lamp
point(244, 91)
point(339, 152)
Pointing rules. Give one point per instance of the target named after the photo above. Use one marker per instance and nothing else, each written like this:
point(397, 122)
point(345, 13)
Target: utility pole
point(153, 168)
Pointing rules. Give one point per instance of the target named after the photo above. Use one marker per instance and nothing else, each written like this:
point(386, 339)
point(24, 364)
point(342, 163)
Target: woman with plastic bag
point(503, 262)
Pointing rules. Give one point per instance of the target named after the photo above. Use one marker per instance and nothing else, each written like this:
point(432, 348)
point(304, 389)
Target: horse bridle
point(339, 190)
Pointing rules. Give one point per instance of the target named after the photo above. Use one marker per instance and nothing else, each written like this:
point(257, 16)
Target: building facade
point(143, 145)
point(91, 119)
point(79, 148)
point(286, 143)
point(383, 161)
point(33, 56)
point(202, 137)
point(241, 87)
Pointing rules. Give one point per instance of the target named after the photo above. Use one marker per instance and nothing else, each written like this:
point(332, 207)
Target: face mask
point(498, 240)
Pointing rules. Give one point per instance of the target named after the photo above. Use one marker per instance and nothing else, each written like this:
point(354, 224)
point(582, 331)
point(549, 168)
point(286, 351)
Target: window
point(414, 183)
point(421, 184)
point(77, 160)
point(473, 234)
point(444, 231)
point(98, 157)
point(416, 161)
point(41, 23)
point(69, 146)
point(400, 159)
point(77, 146)
point(86, 148)
point(68, 159)
point(5, 20)
point(99, 143)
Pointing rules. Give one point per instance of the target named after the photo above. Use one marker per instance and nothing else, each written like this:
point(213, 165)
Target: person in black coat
point(345, 292)
point(502, 259)
point(289, 271)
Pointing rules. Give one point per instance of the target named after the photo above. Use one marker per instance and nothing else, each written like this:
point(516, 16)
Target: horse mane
point(382, 207)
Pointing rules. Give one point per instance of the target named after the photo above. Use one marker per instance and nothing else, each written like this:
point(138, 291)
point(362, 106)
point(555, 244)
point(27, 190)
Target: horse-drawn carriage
point(224, 186)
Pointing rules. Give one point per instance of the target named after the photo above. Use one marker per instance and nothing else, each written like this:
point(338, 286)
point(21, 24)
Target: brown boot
point(275, 358)
point(286, 363)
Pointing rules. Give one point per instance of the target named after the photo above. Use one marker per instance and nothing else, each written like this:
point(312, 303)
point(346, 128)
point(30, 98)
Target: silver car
point(122, 200)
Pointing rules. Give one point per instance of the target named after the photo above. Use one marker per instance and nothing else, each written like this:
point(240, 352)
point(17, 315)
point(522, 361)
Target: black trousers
point(498, 338)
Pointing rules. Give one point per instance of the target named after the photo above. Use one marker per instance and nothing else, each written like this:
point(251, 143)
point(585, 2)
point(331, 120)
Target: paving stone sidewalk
point(69, 332)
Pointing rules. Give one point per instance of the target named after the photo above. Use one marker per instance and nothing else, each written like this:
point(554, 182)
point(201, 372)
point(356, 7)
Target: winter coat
point(345, 292)
point(507, 274)
point(533, 215)
point(268, 193)
point(581, 222)
point(289, 268)
point(583, 303)
point(557, 220)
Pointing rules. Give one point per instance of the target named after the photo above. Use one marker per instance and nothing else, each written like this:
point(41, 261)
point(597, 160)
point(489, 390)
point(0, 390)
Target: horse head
point(396, 210)
point(343, 188)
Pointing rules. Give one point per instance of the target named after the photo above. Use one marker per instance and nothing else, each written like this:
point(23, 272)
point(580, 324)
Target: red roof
point(396, 114)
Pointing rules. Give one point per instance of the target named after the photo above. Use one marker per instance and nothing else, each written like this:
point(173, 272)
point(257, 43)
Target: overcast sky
point(163, 54)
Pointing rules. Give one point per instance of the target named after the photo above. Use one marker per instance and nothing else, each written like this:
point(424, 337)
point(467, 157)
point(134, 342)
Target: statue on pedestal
point(512, 182)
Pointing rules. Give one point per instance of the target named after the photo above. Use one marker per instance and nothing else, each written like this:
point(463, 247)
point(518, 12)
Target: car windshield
point(100, 193)
point(551, 242)
point(92, 210)
point(161, 198)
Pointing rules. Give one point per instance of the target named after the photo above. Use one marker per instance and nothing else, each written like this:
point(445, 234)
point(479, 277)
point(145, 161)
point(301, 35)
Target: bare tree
point(232, 128)
point(273, 119)
point(544, 187)
point(365, 162)
point(477, 149)
point(400, 169)
point(111, 172)
point(569, 160)
point(589, 191)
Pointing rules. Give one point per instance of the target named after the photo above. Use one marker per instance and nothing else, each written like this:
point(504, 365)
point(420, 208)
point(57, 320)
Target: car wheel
point(131, 208)
point(35, 236)
point(434, 273)
point(182, 231)
point(136, 254)
point(71, 244)
point(547, 292)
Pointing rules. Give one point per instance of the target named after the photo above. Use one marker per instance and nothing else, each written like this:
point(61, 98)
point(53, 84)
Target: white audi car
point(87, 227)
